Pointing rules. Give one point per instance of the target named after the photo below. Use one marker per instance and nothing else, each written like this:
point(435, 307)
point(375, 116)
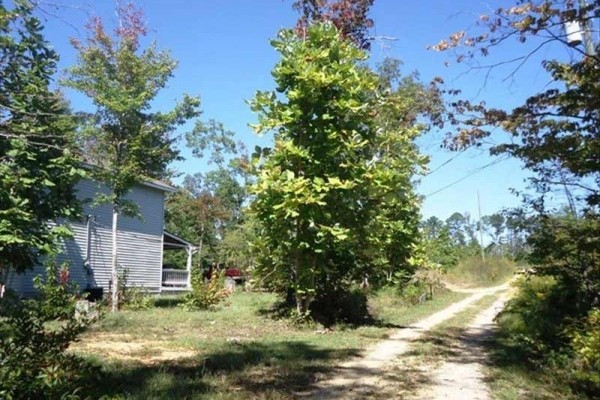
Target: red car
point(234, 273)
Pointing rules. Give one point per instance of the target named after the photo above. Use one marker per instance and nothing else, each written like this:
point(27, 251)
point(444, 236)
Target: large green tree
point(403, 108)
point(126, 142)
point(38, 159)
point(438, 244)
point(432, 227)
point(224, 184)
point(209, 204)
point(331, 192)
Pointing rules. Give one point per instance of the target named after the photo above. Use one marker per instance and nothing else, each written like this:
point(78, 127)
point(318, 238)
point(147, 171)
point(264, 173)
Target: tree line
point(458, 236)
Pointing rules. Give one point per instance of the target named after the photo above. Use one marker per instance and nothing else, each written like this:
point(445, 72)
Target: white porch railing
point(175, 278)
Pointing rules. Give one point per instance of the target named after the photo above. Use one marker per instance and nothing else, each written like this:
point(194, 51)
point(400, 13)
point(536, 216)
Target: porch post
point(189, 266)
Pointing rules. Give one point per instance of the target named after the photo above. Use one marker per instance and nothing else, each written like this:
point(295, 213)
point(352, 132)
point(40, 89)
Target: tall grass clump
point(473, 271)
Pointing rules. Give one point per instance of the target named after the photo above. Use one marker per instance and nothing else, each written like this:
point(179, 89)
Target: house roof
point(159, 185)
point(173, 242)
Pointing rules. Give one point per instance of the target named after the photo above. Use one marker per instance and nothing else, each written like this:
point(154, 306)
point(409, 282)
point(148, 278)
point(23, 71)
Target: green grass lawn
point(237, 351)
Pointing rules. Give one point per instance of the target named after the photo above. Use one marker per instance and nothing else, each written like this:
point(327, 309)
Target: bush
point(413, 293)
point(586, 341)
point(417, 292)
point(537, 315)
point(34, 337)
point(137, 298)
point(205, 295)
point(586, 344)
point(567, 248)
point(427, 281)
point(130, 297)
point(541, 327)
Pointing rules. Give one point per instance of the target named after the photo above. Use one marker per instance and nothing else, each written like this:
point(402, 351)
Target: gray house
point(141, 243)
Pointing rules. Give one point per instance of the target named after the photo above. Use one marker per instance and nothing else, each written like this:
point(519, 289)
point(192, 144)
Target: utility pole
point(587, 31)
point(480, 228)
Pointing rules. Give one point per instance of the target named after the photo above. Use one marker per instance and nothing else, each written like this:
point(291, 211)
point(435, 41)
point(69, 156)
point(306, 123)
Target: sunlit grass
point(474, 272)
point(237, 351)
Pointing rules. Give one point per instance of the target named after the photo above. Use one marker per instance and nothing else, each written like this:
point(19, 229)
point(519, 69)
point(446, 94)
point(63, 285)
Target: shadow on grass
point(168, 302)
point(248, 369)
point(282, 311)
point(362, 382)
point(455, 344)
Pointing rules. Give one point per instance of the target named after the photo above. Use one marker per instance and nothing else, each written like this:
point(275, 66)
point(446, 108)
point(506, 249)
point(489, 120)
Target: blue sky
point(224, 56)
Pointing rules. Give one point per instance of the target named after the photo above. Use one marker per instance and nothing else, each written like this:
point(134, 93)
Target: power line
point(447, 162)
point(467, 176)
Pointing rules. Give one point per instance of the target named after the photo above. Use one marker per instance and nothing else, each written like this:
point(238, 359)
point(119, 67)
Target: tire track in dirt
point(368, 375)
point(461, 376)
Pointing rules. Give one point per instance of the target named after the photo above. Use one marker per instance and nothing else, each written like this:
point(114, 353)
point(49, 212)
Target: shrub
point(415, 293)
point(567, 248)
point(130, 297)
point(137, 298)
point(34, 337)
point(541, 326)
point(427, 281)
point(535, 317)
point(586, 341)
point(586, 344)
point(205, 295)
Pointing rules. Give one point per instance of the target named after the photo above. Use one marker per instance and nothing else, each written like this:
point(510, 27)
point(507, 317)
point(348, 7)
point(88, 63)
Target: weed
point(205, 295)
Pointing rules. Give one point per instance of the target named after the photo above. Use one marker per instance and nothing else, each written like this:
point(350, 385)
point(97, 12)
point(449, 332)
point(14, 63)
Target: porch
point(174, 279)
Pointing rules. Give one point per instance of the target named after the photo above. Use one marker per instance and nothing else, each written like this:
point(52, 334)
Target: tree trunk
point(298, 277)
point(114, 272)
point(200, 251)
point(300, 304)
point(303, 303)
point(3, 279)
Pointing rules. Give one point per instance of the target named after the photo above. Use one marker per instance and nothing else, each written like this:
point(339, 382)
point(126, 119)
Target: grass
point(235, 352)
point(473, 272)
point(388, 307)
point(510, 381)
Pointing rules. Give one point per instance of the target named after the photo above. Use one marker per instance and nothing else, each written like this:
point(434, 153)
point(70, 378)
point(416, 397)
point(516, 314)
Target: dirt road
point(373, 375)
point(461, 377)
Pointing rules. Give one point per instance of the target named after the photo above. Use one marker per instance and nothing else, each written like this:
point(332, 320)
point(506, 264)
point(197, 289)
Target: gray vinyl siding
point(139, 243)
